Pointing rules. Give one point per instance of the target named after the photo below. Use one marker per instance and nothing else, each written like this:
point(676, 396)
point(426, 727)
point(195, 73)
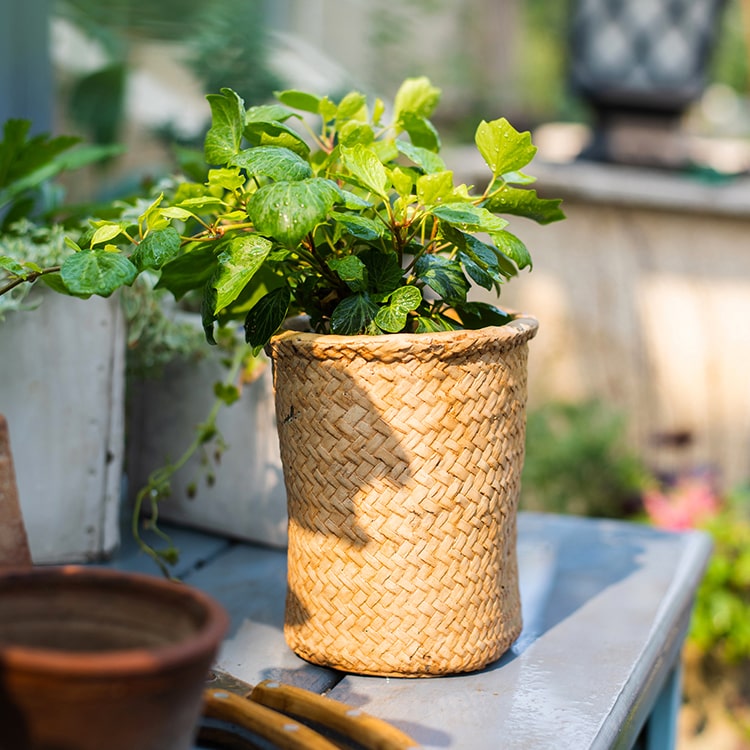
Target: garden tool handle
point(366, 730)
point(282, 731)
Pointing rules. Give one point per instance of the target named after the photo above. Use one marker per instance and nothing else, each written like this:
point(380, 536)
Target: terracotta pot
point(95, 659)
point(402, 459)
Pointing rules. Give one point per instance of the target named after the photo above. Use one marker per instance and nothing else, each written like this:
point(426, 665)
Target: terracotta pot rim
point(121, 663)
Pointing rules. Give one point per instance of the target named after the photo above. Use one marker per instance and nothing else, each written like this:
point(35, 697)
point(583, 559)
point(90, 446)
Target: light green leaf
point(366, 169)
point(354, 132)
point(354, 315)
point(416, 96)
point(266, 317)
point(239, 262)
point(435, 188)
point(275, 162)
point(521, 202)
point(352, 107)
point(392, 318)
point(299, 100)
point(421, 131)
point(227, 122)
point(503, 147)
point(225, 179)
point(97, 272)
point(106, 233)
point(287, 211)
point(264, 126)
point(157, 248)
point(173, 212)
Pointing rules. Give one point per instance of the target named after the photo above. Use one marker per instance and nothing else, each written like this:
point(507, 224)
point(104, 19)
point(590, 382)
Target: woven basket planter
point(402, 457)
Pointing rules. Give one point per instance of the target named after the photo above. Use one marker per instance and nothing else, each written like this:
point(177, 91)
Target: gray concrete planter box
point(62, 388)
point(247, 499)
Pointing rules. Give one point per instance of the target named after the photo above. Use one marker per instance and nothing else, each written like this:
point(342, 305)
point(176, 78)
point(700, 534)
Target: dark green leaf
point(352, 271)
point(509, 245)
point(238, 263)
point(444, 276)
point(428, 161)
point(503, 147)
point(208, 316)
point(358, 226)
point(97, 272)
point(354, 315)
point(188, 271)
point(384, 270)
point(224, 137)
point(476, 315)
point(275, 162)
point(266, 317)
point(264, 126)
point(435, 324)
point(156, 249)
point(287, 211)
point(522, 202)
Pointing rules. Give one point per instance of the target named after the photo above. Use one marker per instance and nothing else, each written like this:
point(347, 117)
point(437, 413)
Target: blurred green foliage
point(721, 620)
point(577, 462)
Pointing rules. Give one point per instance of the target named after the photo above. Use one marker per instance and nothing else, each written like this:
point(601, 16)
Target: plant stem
point(158, 486)
point(31, 278)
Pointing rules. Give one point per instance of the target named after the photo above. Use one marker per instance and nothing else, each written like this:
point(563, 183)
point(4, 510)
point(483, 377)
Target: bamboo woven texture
point(402, 457)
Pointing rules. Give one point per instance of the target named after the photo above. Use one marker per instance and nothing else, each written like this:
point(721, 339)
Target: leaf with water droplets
point(287, 211)
point(503, 147)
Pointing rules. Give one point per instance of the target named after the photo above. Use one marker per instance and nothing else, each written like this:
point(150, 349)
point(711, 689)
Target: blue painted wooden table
point(606, 606)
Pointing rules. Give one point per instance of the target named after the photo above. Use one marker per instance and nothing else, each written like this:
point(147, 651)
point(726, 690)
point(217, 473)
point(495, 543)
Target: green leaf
point(352, 107)
point(156, 249)
point(225, 179)
point(188, 271)
point(238, 263)
point(435, 188)
point(510, 246)
point(361, 227)
point(354, 132)
point(275, 162)
point(444, 276)
point(105, 233)
point(354, 315)
point(287, 211)
point(227, 122)
point(416, 96)
point(428, 161)
point(476, 315)
point(421, 131)
point(468, 216)
point(351, 270)
point(503, 147)
point(97, 272)
point(366, 169)
point(402, 301)
point(435, 324)
point(12, 266)
point(521, 202)
point(299, 100)
point(383, 269)
point(266, 317)
point(264, 126)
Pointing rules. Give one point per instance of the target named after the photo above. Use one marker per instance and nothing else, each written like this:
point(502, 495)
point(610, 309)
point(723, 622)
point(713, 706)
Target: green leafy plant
point(349, 217)
point(577, 462)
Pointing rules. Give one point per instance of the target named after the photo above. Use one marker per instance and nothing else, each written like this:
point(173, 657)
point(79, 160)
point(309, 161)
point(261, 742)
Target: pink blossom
point(686, 505)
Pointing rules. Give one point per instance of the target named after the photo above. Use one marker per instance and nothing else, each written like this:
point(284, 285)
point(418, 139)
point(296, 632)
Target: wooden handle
point(369, 732)
point(284, 732)
point(14, 545)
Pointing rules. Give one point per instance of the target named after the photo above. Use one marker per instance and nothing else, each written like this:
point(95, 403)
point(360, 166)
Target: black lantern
point(640, 63)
